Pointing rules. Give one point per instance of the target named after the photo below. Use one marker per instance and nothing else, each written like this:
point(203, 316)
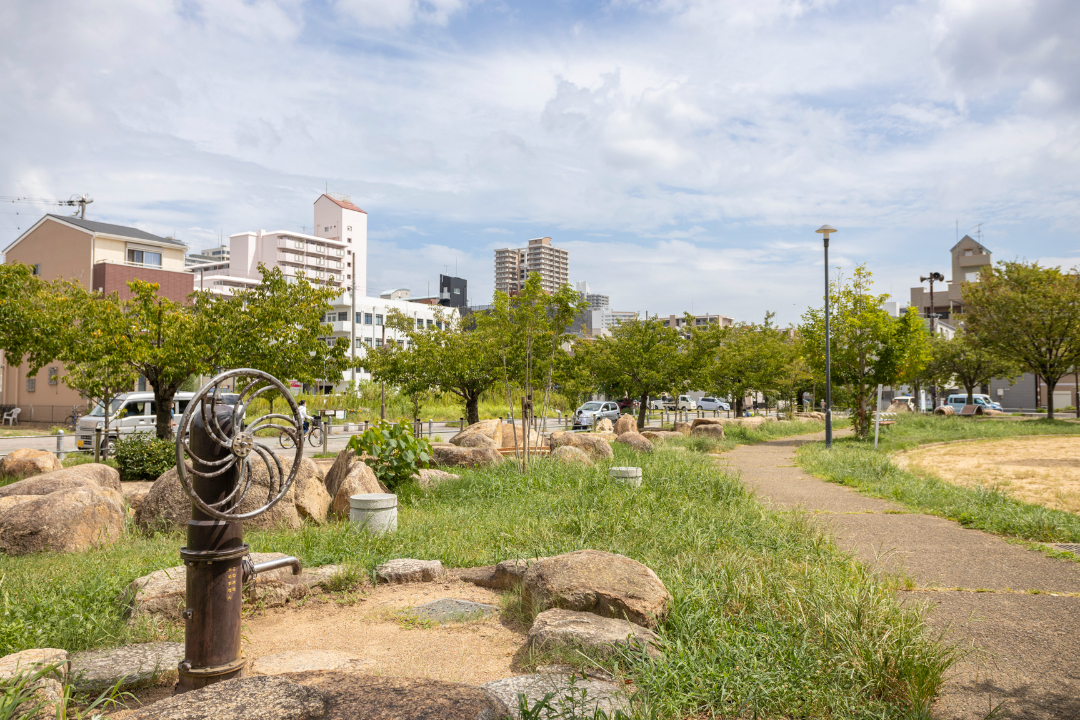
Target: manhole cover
point(1067, 547)
point(450, 610)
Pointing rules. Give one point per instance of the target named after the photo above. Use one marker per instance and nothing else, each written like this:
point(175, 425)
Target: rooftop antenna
point(82, 201)
point(978, 232)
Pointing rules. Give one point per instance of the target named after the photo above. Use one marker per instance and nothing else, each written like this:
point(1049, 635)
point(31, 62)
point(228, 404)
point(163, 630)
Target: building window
point(367, 341)
point(378, 342)
point(358, 342)
point(367, 318)
point(419, 324)
point(430, 323)
point(54, 375)
point(342, 316)
point(143, 257)
point(31, 384)
point(972, 276)
point(326, 229)
point(378, 319)
point(359, 318)
point(37, 268)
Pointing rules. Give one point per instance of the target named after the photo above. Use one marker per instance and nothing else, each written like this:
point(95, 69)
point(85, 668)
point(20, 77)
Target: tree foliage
point(869, 347)
point(641, 358)
point(965, 362)
point(1029, 315)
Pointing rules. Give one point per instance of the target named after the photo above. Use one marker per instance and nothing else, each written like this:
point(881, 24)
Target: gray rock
point(25, 462)
point(597, 582)
point(569, 454)
point(366, 697)
point(63, 521)
point(452, 610)
point(505, 576)
point(241, 699)
point(97, 670)
point(409, 570)
point(577, 697)
point(451, 455)
point(294, 661)
point(558, 628)
point(713, 431)
point(85, 475)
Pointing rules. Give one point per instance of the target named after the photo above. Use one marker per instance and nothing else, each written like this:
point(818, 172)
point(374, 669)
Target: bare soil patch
point(1039, 470)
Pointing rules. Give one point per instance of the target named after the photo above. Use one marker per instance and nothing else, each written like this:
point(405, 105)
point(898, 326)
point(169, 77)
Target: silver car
point(593, 412)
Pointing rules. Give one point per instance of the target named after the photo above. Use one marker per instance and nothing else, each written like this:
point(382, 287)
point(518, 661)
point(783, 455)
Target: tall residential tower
point(514, 265)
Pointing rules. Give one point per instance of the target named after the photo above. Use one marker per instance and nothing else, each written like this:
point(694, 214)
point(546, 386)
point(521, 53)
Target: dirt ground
point(369, 624)
point(1039, 470)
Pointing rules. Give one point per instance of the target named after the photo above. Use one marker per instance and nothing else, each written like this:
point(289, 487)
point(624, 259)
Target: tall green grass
point(855, 463)
point(769, 618)
point(735, 435)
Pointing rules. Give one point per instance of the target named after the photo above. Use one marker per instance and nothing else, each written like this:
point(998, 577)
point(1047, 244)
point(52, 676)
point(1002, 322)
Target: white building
point(335, 254)
point(369, 324)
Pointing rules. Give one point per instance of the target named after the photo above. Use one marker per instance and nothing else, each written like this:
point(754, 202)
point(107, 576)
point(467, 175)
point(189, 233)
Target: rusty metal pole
point(213, 561)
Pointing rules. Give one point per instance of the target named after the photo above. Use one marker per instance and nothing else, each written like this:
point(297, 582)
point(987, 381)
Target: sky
point(683, 151)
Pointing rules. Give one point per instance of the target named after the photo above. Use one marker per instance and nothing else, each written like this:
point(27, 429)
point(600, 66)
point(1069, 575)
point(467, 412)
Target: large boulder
point(683, 428)
point(751, 422)
point(369, 697)
point(126, 665)
point(596, 447)
point(491, 429)
point(25, 462)
point(63, 521)
point(568, 694)
point(659, 436)
point(10, 501)
point(453, 455)
point(168, 507)
point(625, 423)
point(571, 455)
point(360, 480)
point(604, 426)
point(557, 628)
point(598, 582)
point(635, 441)
point(712, 431)
point(507, 575)
point(479, 440)
point(48, 691)
point(430, 477)
point(899, 407)
point(410, 570)
point(86, 475)
point(261, 696)
point(162, 592)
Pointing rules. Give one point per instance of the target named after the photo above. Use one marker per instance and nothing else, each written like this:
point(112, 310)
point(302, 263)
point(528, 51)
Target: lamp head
point(825, 230)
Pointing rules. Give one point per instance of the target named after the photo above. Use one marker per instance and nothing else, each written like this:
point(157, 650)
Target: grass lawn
point(769, 617)
point(854, 462)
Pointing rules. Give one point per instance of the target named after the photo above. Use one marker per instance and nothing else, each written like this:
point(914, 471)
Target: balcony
point(967, 261)
point(291, 243)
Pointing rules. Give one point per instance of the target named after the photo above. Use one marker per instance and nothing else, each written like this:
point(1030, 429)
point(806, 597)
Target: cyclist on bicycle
point(304, 415)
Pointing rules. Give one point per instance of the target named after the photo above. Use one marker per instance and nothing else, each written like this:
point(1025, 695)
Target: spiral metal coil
point(239, 441)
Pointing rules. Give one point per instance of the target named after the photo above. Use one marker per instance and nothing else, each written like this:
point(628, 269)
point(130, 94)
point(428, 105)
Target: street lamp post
point(826, 230)
point(933, 277)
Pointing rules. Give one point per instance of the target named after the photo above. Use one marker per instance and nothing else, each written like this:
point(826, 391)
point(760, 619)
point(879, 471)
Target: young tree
point(869, 347)
point(100, 382)
point(460, 358)
point(1030, 315)
point(274, 327)
point(969, 363)
point(639, 359)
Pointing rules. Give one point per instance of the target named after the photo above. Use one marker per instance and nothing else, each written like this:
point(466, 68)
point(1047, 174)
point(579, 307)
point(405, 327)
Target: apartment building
point(218, 254)
point(514, 265)
point(968, 257)
point(335, 254)
point(368, 326)
point(103, 257)
point(594, 300)
point(678, 321)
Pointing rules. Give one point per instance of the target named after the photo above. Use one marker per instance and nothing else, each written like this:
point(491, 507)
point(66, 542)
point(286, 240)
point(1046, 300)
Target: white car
point(686, 403)
point(128, 413)
point(711, 403)
point(592, 412)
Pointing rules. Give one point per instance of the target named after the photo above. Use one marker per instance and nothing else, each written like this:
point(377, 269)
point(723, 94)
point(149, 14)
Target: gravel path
point(1016, 609)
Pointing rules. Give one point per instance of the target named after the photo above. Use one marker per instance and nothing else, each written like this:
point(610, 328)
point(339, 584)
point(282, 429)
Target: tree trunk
point(642, 409)
point(1050, 398)
point(738, 406)
point(163, 401)
point(472, 409)
point(971, 394)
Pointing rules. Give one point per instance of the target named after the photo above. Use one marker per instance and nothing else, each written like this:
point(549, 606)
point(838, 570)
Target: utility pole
point(352, 329)
point(382, 409)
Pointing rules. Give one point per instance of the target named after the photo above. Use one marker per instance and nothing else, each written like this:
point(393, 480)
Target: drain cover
point(1067, 547)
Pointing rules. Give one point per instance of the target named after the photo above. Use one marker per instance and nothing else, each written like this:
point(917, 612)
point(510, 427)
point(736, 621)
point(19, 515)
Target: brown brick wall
point(113, 277)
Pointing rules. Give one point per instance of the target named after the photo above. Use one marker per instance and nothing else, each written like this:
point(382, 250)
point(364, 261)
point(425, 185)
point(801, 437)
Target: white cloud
point(398, 13)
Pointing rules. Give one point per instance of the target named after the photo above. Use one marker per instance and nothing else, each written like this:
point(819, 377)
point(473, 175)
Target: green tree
point(574, 376)
point(970, 364)
point(641, 358)
point(274, 327)
point(460, 358)
point(31, 316)
point(1029, 315)
point(100, 382)
point(869, 347)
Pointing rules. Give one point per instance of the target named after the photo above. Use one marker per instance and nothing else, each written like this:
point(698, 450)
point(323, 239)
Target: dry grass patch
point(1039, 470)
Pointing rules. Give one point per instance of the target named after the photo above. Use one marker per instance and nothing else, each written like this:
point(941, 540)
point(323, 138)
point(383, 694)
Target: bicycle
point(73, 418)
point(314, 435)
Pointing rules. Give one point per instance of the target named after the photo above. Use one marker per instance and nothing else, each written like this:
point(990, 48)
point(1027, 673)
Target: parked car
point(712, 403)
point(959, 401)
point(593, 412)
point(664, 402)
point(626, 404)
point(128, 413)
point(686, 403)
point(993, 403)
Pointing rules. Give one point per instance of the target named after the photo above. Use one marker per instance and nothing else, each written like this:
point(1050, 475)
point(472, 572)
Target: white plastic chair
point(11, 417)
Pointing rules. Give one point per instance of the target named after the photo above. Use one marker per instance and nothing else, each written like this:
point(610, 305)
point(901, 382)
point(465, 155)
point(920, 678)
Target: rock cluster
point(596, 447)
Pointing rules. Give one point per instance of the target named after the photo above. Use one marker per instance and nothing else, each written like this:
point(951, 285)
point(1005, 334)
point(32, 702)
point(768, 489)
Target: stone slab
point(97, 670)
point(577, 697)
point(452, 610)
point(241, 699)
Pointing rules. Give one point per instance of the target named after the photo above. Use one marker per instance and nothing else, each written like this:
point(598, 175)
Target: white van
point(128, 413)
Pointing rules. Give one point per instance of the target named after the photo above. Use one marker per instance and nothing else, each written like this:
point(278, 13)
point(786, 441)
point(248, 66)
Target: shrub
point(398, 454)
point(142, 456)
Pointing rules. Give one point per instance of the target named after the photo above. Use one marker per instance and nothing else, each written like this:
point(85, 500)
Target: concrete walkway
point(1016, 610)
